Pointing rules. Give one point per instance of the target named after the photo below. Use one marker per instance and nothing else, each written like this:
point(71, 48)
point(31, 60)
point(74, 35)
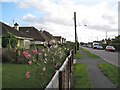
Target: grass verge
point(93, 56)
point(112, 72)
point(80, 76)
point(78, 55)
point(90, 55)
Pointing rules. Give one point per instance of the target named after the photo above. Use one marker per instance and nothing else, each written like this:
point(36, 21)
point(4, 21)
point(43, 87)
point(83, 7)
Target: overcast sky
point(56, 17)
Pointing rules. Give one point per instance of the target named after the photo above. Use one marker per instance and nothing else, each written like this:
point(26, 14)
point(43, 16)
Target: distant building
point(49, 38)
point(60, 40)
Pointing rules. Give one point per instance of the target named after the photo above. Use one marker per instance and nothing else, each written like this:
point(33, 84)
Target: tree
point(9, 40)
point(109, 41)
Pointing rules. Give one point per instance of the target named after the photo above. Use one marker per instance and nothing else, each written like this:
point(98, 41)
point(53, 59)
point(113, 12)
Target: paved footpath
point(97, 78)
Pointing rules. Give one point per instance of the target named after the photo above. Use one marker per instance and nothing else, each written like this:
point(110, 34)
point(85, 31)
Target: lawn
point(80, 76)
point(13, 76)
point(112, 72)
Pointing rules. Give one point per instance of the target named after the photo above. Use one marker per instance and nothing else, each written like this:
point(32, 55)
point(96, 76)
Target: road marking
point(111, 62)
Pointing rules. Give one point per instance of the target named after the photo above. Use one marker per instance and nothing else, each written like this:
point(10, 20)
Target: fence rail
point(62, 78)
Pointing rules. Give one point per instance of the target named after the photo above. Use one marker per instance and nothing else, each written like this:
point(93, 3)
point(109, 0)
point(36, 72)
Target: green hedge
point(104, 46)
point(117, 46)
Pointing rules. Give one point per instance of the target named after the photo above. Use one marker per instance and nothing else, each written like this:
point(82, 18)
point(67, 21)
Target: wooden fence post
point(60, 80)
point(68, 72)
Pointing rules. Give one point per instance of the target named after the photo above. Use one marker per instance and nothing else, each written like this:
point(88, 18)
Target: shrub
point(8, 55)
point(117, 46)
point(104, 46)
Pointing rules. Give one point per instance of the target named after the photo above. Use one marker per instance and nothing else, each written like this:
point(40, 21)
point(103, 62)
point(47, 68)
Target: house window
point(27, 44)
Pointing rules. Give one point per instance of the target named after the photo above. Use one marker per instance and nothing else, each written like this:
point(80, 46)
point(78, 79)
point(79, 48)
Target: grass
point(78, 55)
point(93, 56)
point(90, 55)
point(84, 50)
point(80, 76)
point(13, 76)
point(112, 72)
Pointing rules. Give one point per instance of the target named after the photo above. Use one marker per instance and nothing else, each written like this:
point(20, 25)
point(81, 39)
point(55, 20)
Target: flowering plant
point(41, 63)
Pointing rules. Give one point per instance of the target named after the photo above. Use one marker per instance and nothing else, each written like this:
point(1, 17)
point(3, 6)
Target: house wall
point(27, 44)
point(37, 42)
point(20, 43)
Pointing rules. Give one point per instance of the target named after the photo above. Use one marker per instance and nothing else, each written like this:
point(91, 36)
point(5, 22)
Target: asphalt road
point(111, 57)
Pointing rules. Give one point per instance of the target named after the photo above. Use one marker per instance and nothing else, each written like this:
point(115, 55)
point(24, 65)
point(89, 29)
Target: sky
point(57, 17)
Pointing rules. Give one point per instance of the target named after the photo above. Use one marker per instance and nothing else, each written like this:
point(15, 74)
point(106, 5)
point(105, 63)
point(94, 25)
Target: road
point(111, 57)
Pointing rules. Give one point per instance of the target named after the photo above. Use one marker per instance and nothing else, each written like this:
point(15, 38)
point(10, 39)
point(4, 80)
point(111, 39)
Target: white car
point(99, 47)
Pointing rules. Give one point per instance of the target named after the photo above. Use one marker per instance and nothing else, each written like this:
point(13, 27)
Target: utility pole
point(97, 38)
point(106, 34)
point(13, 21)
point(75, 33)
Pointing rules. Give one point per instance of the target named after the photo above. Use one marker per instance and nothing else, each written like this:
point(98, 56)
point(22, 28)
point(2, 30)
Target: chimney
point(16, 26)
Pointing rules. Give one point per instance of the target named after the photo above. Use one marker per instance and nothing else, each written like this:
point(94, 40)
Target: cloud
point(29, 18)
point(58, 17)
point(10, 0)
point(102, 28)
point(22, 5)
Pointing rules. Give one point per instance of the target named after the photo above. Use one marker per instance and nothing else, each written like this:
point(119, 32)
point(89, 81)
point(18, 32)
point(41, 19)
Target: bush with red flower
point(45, 61)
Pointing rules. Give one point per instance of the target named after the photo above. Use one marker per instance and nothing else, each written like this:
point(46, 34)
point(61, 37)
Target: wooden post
point(75, 33)
point(68, 69)
point(60, 80)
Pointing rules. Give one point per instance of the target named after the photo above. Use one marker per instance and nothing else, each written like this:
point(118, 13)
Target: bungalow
point(63, 40)
point(23, 39)
point(49, 38)
point(34, 33)
point(60, 40)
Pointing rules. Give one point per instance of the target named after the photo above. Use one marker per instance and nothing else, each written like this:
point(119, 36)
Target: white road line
point(110, 62)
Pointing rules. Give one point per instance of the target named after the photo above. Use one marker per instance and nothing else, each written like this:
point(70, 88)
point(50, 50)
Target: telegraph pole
point(75, 33)
point(106, 34)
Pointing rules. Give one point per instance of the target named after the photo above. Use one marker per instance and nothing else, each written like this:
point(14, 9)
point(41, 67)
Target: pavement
point(97, 78)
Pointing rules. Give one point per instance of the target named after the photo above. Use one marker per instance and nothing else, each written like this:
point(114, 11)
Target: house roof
point(0, 29)
point(47, 35)
point(6, 28)
point(58, 38)
point(33, 32)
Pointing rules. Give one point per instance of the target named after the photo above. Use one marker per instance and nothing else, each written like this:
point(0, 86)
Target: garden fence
point(63, 77)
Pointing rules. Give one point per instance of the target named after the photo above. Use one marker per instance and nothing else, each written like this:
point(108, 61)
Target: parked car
point(99, 47)
point(89, 46)
point(110, 48)
point(95, 45)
